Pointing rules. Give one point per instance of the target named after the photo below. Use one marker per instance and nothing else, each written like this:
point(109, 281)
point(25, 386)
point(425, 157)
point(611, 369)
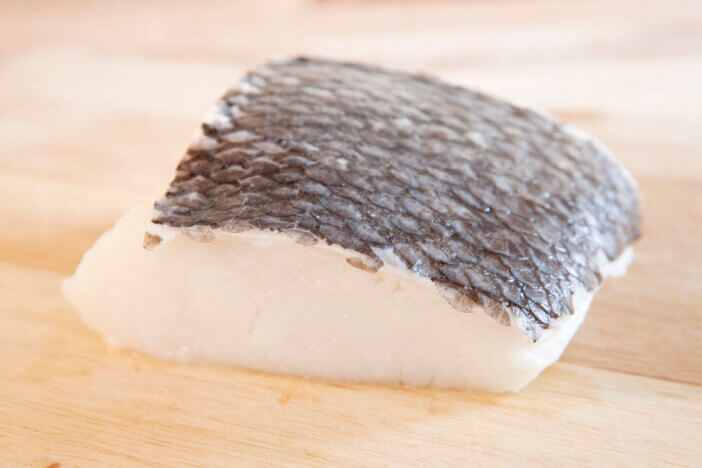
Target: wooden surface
point(91, 91)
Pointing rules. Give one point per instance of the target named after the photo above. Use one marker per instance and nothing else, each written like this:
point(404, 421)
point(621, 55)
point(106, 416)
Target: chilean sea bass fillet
point(345, 222)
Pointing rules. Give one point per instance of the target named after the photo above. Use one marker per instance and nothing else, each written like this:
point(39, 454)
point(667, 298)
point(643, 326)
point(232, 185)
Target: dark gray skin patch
point(496, 204)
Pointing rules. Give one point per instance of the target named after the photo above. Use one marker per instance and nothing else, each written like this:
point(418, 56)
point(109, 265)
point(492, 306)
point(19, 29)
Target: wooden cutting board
point(98, 102)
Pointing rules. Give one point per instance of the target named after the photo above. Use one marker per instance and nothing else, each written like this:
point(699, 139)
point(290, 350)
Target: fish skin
point(364, 157)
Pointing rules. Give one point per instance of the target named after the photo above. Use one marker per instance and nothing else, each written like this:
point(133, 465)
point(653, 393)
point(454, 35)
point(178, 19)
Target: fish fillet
point(345, 222)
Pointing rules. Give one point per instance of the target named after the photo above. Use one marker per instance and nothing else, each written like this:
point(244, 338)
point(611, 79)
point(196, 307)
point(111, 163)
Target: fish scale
point(446, 174)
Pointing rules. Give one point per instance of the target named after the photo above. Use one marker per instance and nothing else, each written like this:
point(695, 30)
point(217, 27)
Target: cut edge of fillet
point(271, 302)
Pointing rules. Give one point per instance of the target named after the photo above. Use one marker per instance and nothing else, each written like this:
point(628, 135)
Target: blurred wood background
point(99, 99)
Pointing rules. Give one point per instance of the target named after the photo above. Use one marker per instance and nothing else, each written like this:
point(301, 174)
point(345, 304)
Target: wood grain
point(90, 91)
